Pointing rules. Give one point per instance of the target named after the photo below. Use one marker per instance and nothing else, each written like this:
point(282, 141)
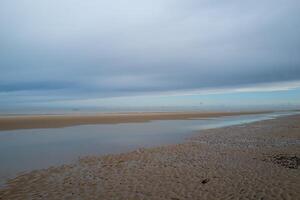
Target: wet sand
point(57, 121)
point(253, 161)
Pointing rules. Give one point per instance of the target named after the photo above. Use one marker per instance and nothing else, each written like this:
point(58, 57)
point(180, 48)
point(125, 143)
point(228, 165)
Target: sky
point(159, 53)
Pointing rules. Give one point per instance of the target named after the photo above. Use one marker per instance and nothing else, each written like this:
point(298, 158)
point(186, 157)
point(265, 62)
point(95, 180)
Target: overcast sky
point(60, 51)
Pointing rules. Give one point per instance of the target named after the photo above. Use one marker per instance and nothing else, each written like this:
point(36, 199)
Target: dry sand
point(254, 161)
point(55, 121)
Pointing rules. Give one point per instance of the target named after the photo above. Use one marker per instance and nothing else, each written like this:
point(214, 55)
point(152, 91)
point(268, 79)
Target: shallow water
point(25, 150)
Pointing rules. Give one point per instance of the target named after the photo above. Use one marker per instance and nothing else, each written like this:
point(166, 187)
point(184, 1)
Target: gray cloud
point(117, 48)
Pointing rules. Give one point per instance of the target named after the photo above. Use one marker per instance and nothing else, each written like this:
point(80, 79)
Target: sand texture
point(254, 161)
point(56, 121)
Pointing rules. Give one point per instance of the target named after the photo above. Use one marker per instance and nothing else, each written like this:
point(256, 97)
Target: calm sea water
point(25, 150)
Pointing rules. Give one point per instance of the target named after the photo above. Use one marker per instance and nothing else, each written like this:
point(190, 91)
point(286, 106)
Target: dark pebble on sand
point(205, 181)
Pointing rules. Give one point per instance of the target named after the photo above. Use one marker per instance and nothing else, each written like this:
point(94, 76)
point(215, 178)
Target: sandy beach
point(254, 161)
point(149, 100)
point(57, 121)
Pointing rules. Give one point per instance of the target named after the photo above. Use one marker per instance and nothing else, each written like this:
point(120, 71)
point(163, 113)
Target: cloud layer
point(57, 50)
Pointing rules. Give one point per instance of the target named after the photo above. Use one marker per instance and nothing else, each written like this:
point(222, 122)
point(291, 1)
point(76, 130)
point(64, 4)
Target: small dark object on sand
point(205, 181)
point(291, 162)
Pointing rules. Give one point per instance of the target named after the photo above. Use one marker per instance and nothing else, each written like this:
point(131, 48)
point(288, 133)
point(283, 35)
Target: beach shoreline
point(259, 160)
point(59, 121)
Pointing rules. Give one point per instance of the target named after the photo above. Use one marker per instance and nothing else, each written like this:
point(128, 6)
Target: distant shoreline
point(58, 121)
